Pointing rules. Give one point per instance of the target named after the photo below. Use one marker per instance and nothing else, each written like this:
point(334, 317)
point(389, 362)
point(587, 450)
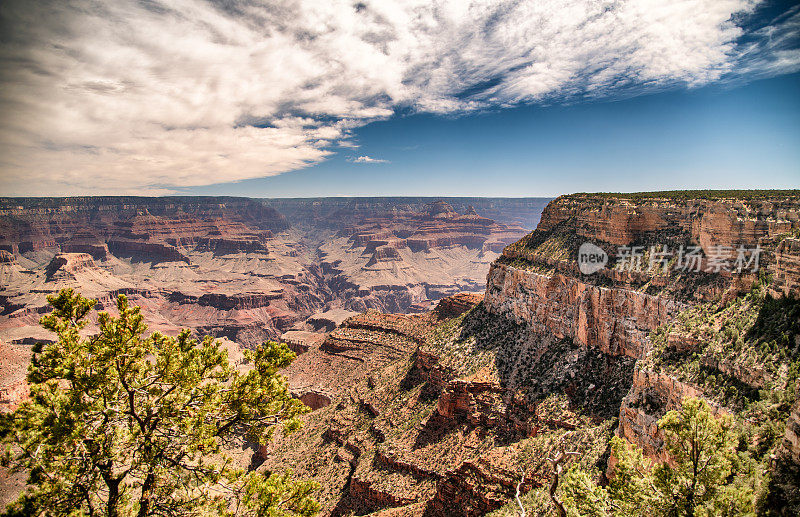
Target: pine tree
point(118, 424)
point(703, 477)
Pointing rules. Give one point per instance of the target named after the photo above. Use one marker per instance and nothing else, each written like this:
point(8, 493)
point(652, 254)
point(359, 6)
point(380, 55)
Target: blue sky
point(394, 97)
point(711, 137)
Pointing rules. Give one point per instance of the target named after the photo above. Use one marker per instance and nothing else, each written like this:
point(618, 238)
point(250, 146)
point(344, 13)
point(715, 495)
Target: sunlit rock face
point(787, 268)
point(615, 320)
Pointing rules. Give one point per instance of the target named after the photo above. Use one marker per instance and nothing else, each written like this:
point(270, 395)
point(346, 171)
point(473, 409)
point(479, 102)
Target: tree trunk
point(562, 512)
point(146, 500)
point(113, 496)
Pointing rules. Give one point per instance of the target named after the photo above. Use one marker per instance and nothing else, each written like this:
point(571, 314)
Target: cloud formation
point(367, 159)
point(150, 96)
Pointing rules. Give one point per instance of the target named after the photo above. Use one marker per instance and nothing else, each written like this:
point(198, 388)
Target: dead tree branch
point(522, 512)
point(558, 465)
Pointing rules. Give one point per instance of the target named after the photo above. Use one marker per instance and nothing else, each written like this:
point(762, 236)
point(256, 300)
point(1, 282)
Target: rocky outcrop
point(96, 250)
point(786, 281)
point(68, 264)
point(221, 246)
point(615, 320)
point(441, 210)
point(301, 341)
point(709, 219)
point(651, 396)
point(146, 251)
point(475, 488)
point(314, 399)
point(329, 320)
point(384, 254)
point(456, 305)
point(238, 301)
point(376, 497)
point(791, 438)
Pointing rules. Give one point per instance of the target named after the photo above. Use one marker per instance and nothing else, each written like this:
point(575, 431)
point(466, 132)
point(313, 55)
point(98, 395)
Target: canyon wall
point(615, 320)
point(234, 267)
point(787, 268)
point(537, 281)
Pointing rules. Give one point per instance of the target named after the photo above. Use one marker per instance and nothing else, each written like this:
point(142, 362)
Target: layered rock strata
point(538, 282)
point(787, 268)
point(615, 320)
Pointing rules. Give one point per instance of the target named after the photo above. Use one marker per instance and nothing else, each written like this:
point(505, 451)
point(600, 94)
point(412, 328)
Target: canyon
point(440, 413)
point(443, 348)
point(237, 267)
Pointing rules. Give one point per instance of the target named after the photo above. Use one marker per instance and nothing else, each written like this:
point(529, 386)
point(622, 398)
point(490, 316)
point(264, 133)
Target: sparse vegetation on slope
point(739, 351)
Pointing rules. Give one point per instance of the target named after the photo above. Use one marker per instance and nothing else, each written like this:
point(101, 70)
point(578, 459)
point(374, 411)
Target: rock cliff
point(615, 320)
point(787, 268)
point(537, 280)
point(439, 413)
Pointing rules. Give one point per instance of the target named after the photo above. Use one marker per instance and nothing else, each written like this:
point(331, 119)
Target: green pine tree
point(704, 477)
point(118, 424)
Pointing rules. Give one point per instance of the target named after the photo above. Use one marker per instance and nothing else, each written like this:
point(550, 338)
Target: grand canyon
point(399, 258)
point(443, 347)
point(241, 269)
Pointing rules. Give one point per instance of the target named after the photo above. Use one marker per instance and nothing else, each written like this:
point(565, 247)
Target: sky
point(308, 98)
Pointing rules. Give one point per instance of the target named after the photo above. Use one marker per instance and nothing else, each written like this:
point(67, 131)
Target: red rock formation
point(329, 320)
point(651, 396)
point(787, 268)
point(238, 301)
point(70, 263)
point(97, 251)
point(457, 304)
point(708, 222)
point(439, 226)
point(229, 224)
point(146, 251)
point(315, 399)
point(615, 320)
point(301, 341)
point(384, 254)
point(223, 246)
point(476, 488)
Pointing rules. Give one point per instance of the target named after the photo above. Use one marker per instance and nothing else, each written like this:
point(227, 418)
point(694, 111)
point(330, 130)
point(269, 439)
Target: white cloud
point(367, 159)
point(145, 97)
